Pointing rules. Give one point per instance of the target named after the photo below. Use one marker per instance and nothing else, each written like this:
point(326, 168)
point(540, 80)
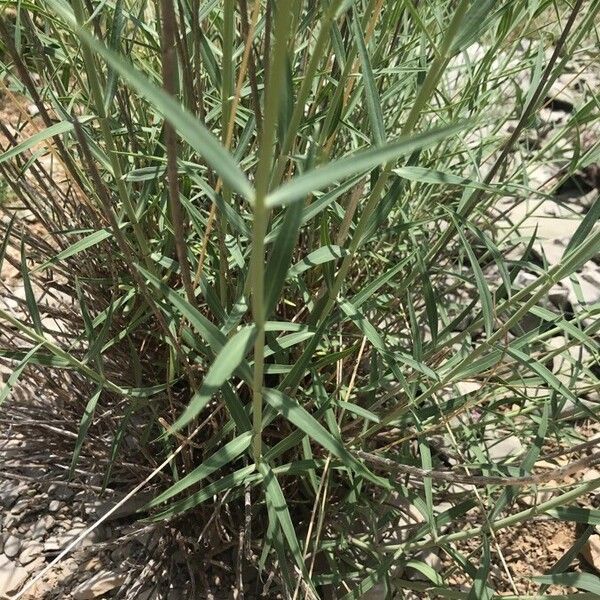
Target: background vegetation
point(269, 259)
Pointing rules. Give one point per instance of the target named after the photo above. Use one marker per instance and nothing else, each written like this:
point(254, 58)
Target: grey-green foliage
point(339, 217)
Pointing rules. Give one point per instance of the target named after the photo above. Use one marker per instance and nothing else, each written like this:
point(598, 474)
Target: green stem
point(283, 19)
point(305, 89)
point(322, 310)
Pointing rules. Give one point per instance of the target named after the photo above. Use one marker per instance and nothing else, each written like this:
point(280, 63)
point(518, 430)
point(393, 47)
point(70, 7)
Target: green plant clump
point(270, 239)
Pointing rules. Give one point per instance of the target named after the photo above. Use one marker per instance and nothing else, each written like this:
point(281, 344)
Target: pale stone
point(98, 585)
point(12, 546)
point(30, 553)
point(12, 576)
point(591, 551)
point(504, 448)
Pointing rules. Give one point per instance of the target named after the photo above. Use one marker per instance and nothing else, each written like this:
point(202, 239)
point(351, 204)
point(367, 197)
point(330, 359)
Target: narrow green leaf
point(576, 514)
point(213, 336)
point(30, 299)
point(425, 175)
point(360, 162)
point(16, 373)
point(84, 425)
point(479, 17)
point(188, 126)
point(280, 258)
point(281, 511)
point(89, 241)
point(584, 229)
point(6, 239)
point(581, 581)
point(487, 307)
point(371, 93)
point(302, 419)
point(242, 476)
point(35, 139)
point(220, 458)
point(223, 367)
point(358, 410)
point(479, 589)
point(317, 257)
point(549, 378)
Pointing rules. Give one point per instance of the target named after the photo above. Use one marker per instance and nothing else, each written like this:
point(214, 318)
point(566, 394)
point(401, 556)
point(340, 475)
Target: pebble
point(12, 546)
point(52, 544)
point(591, 551)
point(98, 585)
point(12, 576)
point(35, 565)
point(54, 506)
point(502, 449)
point(31, 552)
point(42, 526)
point(61, 492)
point(11, 522)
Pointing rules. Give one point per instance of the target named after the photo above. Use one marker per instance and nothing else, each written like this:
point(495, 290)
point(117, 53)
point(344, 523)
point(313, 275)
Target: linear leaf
point(188, 126)
point(223, 367)
point(242, 476)
point(317, 257)
point(220, 458)
point(281, 512)
point(89, 241)
point(35, 139)
point(302, 419)
point(280, 258)
point(360, 162)
point(485, 296)
point(581, 581)
point(84, 425)
point(32, 306)
point(371, 93)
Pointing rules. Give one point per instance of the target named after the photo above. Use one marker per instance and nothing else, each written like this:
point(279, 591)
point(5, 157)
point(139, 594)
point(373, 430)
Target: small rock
point(61, 492)
point(460, 489)
point(33, 110)
point(35, 565)
point(537, 498)
point(98, 509)
point(591, 552)
point(591, 474)
point(468, 387)
point(31, 552)
point(501, 450)
point(12, 546)
point(52, 544)
point(19, 508)
point(10, 496)
point(54, 506)
point(42, 526)
point(98, 585)
point(12, 576)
